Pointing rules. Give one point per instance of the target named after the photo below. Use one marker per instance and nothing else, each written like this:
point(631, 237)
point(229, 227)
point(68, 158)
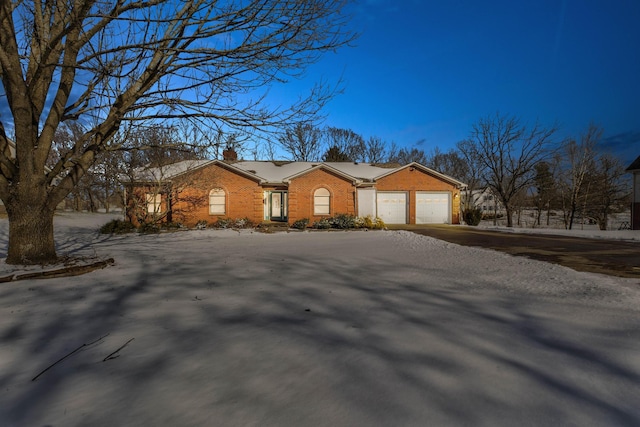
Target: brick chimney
point(229, 154)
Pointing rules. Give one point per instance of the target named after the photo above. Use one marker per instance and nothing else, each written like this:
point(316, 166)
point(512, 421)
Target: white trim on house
point(282, 172)
point(321, 201)
point(320, 166)
point(425, 169)
point(217, 201)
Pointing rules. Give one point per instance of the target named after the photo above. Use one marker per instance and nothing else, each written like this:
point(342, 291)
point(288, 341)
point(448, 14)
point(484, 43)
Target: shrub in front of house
point(300, 224)
point(117, 226)
point(221, 223)
point(149, 228)
point(171, 225)
point(370, 223)
point(472, 216)
point(232, 223)
point(343, 221)
point(348, 222)
point(322, 224)
point(201, 225)
point(243, 223)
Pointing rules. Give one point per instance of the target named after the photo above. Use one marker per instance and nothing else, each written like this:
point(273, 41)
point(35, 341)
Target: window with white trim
point(321, 201)
point(217, 201)
point(154, 203)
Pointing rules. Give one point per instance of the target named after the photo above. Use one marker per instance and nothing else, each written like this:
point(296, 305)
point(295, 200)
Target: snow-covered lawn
point(227, 328)
point(591, 232)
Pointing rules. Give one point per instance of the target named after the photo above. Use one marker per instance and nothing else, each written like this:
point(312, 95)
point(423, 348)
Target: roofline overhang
point(346, 176)
point(220, 163)
point(417, 165)
point(224, 164)
point(634, 166)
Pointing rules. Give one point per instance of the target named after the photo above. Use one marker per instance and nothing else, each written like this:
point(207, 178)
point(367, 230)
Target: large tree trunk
point(603, 221)
point(572, 214)
point(30, 234)
point(509, 213)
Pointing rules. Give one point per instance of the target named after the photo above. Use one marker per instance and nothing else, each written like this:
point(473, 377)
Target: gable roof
point(324, 166)
point(282, 172)
point(167, 172)
point(425, 169)
point(634, 166)
point(171, 171)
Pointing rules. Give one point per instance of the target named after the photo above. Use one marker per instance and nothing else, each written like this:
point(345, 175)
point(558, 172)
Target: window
point(217, 201)
point(321, 199)
point(154, 201)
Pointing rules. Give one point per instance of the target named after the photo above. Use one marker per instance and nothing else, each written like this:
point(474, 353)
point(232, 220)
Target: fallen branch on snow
point(67, 355)
point(111, 356)
point(74, 270)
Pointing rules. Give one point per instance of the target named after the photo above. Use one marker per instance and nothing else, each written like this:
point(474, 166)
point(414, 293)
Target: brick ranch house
point(205, 190)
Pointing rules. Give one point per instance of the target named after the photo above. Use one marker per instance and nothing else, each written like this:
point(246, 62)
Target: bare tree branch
point(105, 63)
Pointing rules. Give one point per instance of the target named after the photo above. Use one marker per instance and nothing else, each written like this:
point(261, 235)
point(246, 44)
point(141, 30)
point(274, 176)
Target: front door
point(278, 202)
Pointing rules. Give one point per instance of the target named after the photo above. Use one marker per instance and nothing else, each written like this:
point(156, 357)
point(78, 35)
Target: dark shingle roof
point(635, 165)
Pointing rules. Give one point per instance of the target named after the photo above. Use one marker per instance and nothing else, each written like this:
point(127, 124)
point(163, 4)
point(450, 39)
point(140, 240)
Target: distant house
point(634, 169)
point(485, 200)
point(205, 190)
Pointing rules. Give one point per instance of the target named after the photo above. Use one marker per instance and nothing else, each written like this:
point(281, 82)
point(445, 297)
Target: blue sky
point(427, 70)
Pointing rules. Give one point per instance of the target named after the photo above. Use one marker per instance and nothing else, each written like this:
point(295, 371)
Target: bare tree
point(610, 191)
point(166, 193)
point(104, 63)
point(580, 162)
point(375, 150)
point(507, 152)
point(464, 168)
point(349, 146)
point(450, 163)
point(334, 154)
point(404, 156)
point(160, 146)
point(470, 173)
point(546, 189)
point(303, 142)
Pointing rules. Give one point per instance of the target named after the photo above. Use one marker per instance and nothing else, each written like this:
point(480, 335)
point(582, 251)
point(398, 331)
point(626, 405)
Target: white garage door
point(392, 207)
point(433, 208)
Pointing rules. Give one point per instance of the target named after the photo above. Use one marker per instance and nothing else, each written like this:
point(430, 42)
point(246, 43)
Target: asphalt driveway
point(611, 257)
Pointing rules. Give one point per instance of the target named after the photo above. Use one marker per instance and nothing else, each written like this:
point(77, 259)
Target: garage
point(433, 208)
point(392, 207)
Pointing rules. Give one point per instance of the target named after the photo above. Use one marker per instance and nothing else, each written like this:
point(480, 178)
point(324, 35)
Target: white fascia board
point(425, 169)
point(353, 179)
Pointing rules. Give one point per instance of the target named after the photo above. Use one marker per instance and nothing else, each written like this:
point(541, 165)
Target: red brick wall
point(301, 189)
point(418, 180)
point(191, 196)
point(244, 196)
point(136, 203)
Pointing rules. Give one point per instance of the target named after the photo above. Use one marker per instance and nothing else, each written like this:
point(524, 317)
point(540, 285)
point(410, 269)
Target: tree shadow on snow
point(286, 340)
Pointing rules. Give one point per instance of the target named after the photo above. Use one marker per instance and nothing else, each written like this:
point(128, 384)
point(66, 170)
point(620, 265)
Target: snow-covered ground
point(314, 328)
point(588, 232)
point(579, 229)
